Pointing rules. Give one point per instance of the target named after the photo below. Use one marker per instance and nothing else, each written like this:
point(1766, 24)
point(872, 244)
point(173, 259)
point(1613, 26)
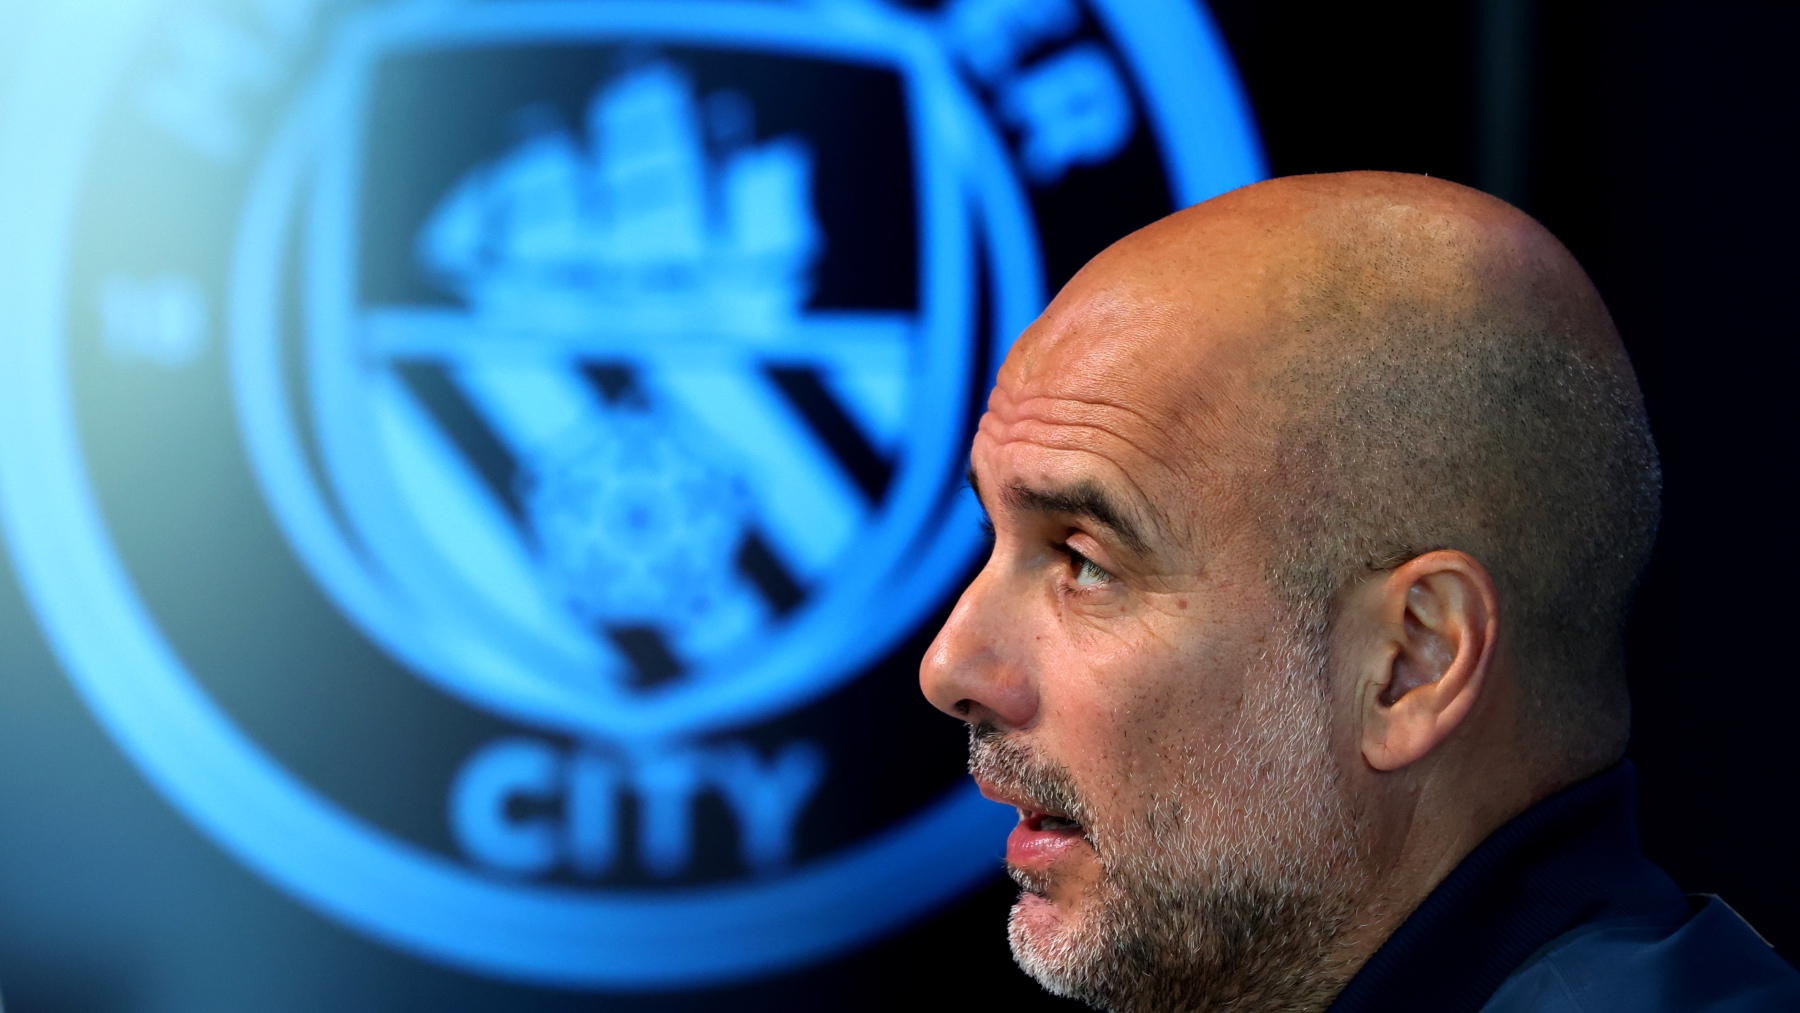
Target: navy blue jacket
point(1560, 912)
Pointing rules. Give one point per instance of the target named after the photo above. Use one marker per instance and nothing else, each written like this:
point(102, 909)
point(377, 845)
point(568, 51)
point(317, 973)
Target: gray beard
point(1233, 892)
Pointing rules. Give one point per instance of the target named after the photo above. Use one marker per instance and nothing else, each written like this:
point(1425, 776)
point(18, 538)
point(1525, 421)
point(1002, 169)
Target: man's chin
point(1044, 938)
point(1053, 898)
point(1038, 912)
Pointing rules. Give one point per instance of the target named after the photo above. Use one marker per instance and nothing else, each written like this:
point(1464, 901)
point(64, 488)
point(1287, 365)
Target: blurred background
point(476, 478)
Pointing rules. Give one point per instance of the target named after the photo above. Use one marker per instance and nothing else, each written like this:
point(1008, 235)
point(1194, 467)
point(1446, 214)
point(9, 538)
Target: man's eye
point(1087, 572)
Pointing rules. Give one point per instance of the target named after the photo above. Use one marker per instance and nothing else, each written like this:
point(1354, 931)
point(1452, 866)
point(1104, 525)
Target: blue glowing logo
point(581, 389)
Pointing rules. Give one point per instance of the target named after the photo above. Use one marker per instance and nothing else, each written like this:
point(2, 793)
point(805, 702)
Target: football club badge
point(493, 466)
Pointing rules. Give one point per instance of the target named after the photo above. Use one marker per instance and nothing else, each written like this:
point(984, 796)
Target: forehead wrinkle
point(1029, 414)
point(1135, 500)
point(1115, 392)
point(1037, 420)
point(1134, 491)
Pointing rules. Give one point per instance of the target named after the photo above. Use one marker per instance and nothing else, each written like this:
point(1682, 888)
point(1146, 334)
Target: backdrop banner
point(494, 467)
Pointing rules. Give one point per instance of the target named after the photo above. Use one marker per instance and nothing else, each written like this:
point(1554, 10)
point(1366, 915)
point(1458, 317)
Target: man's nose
point(976, 668)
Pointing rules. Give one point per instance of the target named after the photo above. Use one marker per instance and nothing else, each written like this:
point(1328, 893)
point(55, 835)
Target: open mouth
point(1041, 843)
point(1046, 822)
point(1043, 839)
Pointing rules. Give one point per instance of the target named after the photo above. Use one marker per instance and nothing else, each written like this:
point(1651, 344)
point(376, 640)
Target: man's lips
point(1042, 837)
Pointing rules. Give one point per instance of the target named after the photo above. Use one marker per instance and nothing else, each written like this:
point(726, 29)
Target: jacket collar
point(1569, 860)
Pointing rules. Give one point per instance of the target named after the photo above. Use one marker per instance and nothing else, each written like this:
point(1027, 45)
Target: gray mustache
point(1002, 761)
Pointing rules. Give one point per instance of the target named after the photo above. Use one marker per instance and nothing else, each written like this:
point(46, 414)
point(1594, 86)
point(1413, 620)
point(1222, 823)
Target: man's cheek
point(1113, 633)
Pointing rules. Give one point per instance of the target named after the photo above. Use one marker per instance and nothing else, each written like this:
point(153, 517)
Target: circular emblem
point(493, 466)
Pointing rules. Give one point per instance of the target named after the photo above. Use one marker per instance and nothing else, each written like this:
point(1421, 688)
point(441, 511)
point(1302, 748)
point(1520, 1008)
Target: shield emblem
point(572, 389)
point(603, 444)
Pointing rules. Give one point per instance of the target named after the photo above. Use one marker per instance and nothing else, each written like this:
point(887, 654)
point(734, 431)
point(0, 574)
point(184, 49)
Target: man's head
point(1317, 510)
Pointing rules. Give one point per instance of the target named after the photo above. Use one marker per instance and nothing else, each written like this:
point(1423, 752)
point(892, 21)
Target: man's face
point(1133, 686)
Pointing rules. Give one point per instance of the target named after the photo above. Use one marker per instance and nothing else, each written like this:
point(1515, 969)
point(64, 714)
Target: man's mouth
point(1043, 838)
point(1047, 822)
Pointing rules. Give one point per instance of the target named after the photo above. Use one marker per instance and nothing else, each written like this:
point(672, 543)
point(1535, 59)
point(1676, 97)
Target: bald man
point(1317, 510)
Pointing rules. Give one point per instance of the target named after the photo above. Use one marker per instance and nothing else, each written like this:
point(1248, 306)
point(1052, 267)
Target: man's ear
point(1434, 621)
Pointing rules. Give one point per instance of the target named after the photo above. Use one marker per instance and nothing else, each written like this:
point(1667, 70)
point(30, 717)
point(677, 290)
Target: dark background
point(1654, 138)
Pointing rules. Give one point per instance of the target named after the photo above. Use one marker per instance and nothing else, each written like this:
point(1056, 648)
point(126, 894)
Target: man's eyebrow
point(1083, 499)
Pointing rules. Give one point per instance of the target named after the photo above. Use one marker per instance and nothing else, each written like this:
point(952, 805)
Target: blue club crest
point(620, 415)
point(651, 488)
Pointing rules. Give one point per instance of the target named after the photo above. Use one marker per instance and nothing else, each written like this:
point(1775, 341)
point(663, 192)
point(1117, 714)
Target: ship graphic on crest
point(657, 255)
point(641, 230)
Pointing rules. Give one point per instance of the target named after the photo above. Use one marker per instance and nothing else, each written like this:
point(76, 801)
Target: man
point(1317, 510)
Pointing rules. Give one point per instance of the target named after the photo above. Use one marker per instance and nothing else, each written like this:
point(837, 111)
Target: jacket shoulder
point(1712, 962)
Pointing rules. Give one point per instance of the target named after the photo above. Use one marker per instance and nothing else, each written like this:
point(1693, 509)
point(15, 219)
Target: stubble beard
point(1230, 893)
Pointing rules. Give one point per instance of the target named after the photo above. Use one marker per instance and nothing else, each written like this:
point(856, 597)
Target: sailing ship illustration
point(631, 412)
point(636, 230)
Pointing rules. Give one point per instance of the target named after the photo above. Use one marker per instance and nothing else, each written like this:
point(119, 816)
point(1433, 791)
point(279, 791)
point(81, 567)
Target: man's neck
point(1424, 828)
